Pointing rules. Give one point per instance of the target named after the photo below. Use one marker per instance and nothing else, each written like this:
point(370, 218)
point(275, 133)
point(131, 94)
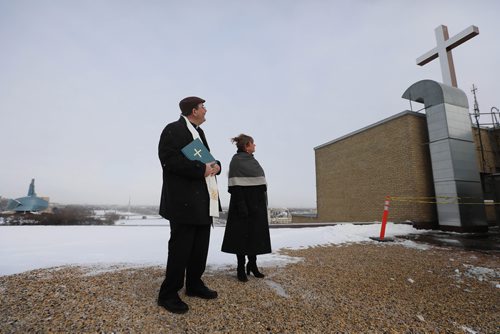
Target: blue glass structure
point(30, 203)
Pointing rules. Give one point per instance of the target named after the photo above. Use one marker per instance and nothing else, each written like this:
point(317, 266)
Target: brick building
point(355, 173)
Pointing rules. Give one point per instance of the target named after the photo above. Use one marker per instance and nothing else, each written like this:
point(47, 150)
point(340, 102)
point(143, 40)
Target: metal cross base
point(382, 240)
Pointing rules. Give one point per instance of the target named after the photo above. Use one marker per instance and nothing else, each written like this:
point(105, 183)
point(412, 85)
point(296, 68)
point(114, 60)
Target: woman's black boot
point(241, 268)
point(252, 267)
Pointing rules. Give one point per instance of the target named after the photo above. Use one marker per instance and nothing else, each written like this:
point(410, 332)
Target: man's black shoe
point(174, 305)
point(203, 292)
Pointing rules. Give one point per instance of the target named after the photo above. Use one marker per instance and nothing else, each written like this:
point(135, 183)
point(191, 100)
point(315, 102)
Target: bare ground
point(357, 288)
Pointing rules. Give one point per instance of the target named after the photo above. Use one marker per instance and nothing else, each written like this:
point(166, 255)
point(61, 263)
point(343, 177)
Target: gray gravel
point(358, 288)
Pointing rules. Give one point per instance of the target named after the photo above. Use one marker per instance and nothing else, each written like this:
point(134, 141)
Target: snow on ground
point(140, 221)
point(131, 218)
point(479, 273)
point(25, 248)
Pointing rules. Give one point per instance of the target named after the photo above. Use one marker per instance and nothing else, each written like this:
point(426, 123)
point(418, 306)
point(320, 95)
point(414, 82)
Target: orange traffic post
point(384, 217)
point(382, 237)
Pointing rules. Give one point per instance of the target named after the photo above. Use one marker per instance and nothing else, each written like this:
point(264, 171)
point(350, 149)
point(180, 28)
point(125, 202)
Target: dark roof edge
point(385, 120)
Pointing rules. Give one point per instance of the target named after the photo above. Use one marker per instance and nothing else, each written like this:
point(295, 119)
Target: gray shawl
point(245, 170)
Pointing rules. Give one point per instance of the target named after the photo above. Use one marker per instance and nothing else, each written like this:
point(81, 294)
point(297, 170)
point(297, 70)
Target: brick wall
point(490, 140)
point(356, 172)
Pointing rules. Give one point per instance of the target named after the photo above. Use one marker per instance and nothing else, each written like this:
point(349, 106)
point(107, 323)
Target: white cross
point(443, 51)
point(197, 153)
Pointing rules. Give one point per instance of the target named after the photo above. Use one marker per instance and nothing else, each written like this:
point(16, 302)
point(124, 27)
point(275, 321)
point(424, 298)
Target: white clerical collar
point(187, 120)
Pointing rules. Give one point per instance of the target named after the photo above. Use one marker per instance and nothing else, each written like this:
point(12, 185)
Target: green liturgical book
point(195, 150)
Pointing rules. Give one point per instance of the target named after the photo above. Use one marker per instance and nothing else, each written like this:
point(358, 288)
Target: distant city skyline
point(87, 87)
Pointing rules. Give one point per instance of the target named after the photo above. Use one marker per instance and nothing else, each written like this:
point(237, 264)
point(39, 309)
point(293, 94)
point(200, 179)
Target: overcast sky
point(86, 87)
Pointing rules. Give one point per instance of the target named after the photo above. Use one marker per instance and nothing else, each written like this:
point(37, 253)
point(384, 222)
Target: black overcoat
point(247, 227)
point(184, 195)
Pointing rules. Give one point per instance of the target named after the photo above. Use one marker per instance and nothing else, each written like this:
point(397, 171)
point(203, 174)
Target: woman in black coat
point(247, 227)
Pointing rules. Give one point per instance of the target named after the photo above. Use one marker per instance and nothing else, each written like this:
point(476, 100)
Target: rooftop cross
point(443, 51)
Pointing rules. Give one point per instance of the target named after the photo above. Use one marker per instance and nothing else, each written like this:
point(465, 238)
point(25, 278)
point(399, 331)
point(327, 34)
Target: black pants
point(187, 255)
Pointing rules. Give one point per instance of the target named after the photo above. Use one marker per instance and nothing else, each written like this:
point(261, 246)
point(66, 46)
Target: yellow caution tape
point(453, 200)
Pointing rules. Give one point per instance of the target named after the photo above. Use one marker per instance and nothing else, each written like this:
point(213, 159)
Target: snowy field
point(129, 244)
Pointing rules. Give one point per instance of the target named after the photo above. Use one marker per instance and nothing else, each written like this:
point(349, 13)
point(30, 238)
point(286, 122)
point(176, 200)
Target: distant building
point(355, 173)
point(30, 203)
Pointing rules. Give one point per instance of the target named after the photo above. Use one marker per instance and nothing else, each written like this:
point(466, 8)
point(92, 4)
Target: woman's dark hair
point(242, 141)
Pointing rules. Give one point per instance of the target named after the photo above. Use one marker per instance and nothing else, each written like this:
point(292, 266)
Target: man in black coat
point(186, 203)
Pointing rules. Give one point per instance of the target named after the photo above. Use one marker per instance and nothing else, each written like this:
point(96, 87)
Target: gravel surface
point(357, 288)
